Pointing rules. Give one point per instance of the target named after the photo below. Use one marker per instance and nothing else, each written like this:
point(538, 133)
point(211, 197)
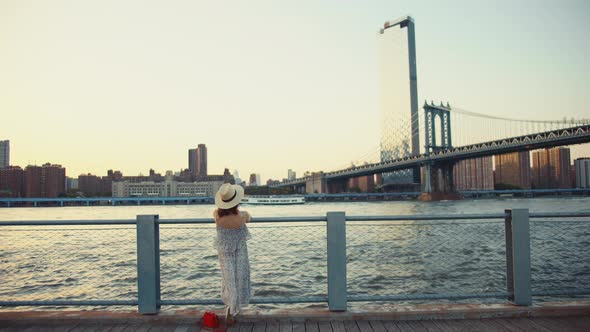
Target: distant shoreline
point(342, 197)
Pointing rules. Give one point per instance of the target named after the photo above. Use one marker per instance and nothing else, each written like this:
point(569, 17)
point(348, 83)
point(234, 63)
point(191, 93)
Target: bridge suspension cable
point(572, 121)
point(469, 127)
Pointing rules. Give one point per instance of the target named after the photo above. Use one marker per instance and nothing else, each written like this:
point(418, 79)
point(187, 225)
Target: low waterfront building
point(167, 188)
point(207, 188)
point(139, 189)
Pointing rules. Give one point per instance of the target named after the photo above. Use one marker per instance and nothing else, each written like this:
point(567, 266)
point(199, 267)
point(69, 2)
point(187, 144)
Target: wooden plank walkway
point(543, 324)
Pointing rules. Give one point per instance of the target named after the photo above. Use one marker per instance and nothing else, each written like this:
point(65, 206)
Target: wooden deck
point(550, 316)
point(578, 323)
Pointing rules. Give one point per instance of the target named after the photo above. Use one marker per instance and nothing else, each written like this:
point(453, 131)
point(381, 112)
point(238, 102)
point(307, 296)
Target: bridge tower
point(438, 177)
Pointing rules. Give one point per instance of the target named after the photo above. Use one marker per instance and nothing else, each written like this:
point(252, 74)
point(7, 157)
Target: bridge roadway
point(567, 136)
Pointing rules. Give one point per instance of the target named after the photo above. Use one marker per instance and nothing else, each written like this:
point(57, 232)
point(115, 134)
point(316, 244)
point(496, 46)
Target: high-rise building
point(32, 181)
point(197, 161)
point(551, 168)
point(192, 161)
point(228, 177)
point(237, 177)
point(540, 170)
point(90, 185)
point(53, 180)
point(254, 179)
point(47, 181)
point(12, 182)
point(291, 175)
point(582, 166)
point(474, 174)
point(4, 154)
point(560, 161)
point(513, 170)
point(71, 183)
point(201, 160)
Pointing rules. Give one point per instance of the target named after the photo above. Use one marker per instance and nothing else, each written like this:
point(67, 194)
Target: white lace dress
point(235, 266)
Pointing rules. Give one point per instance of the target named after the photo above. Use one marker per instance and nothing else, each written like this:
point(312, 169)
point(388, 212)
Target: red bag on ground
point(210, 321)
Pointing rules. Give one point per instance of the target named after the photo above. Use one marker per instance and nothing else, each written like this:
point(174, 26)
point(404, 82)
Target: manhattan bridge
point(420, 145)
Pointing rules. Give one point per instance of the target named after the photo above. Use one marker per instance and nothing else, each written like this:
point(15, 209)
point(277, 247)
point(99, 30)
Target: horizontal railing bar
point(561, 292)
point(254, 220)
point(397, 224)
point(262, 300)
point(426, 217)
point(67, 222)
point(22, 230)
point(67, 303)
point(559, 214)
point(190, 302)
point(414, 297)
point(294, 219)
point(559, 221)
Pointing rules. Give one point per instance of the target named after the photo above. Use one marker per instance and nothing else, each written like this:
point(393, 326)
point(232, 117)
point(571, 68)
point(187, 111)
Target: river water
point(289, 259)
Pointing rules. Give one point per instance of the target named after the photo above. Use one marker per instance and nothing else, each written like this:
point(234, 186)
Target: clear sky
point(266, 85)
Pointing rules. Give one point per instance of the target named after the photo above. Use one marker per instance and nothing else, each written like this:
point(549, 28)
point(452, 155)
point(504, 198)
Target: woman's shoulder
point(245, 215)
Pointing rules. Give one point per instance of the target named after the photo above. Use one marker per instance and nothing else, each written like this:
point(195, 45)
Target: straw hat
point(229, 196)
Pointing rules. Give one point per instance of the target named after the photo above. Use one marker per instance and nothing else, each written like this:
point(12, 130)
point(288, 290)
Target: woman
point(232, 234)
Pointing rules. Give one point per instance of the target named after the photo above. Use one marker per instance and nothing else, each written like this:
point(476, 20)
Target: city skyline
point(548, 168)
point(267, 87)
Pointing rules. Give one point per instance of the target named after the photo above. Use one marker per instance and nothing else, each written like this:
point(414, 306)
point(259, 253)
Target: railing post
point(518, 256)
point(336, 233)
point(148, 264)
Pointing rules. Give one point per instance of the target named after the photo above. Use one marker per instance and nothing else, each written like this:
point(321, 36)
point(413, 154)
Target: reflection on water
point(289, 259)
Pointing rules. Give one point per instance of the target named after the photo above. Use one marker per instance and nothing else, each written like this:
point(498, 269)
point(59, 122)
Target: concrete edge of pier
point(403, 312)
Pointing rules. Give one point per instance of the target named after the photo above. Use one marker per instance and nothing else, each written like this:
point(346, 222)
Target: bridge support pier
point(316, 184)
point(438, 183)
point(338, 186)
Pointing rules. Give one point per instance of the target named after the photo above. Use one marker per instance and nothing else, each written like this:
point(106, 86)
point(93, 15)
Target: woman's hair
point(226, 212)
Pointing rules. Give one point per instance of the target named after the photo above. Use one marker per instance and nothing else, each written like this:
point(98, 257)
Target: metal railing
point(333, 259)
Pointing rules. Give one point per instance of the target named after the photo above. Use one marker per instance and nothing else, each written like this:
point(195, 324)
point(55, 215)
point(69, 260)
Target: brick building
point(12, 182)
point(474, 174)
point(513, 169)
point(551, 168)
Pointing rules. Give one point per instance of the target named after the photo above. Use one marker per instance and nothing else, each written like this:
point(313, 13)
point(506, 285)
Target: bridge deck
point(577, 323)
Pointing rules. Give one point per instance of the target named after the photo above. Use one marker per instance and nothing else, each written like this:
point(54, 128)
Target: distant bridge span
point(559, 137)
